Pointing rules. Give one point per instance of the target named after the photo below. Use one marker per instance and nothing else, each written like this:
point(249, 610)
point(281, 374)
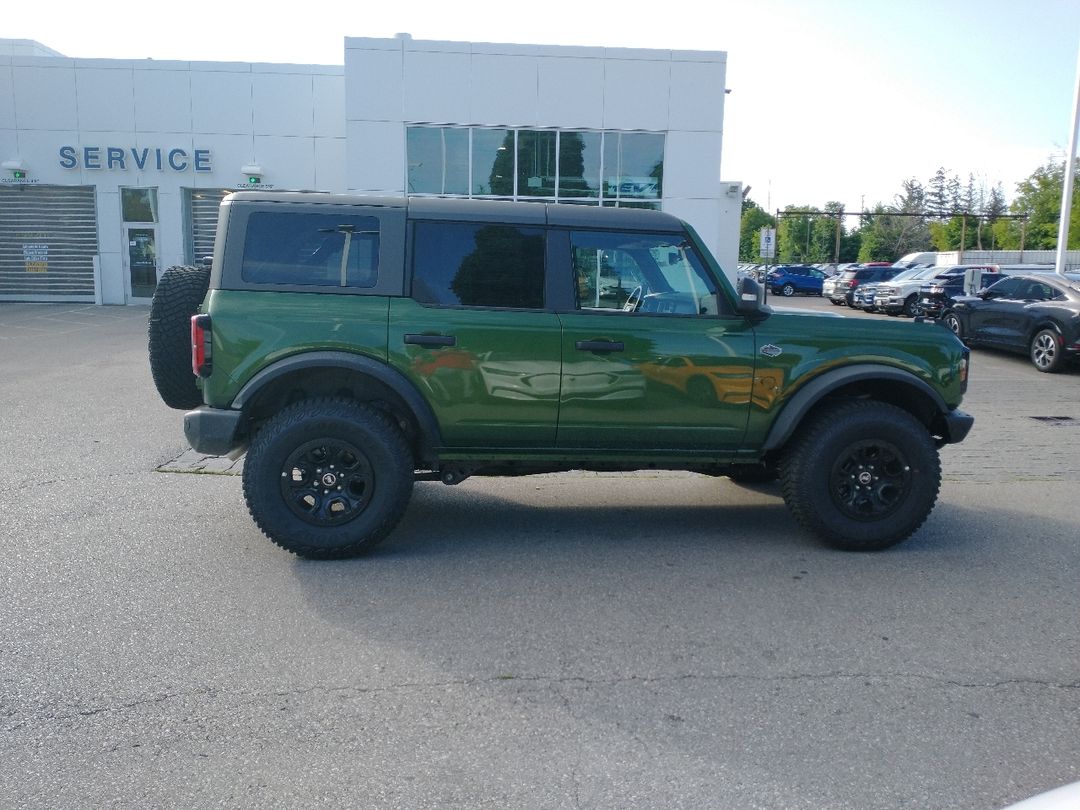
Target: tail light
point(201, 348)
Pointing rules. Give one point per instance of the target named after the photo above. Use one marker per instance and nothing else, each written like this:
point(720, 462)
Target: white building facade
point(111, 170)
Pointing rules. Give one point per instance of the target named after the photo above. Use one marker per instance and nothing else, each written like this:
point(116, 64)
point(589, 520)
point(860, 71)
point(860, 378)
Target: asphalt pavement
point(655, 640)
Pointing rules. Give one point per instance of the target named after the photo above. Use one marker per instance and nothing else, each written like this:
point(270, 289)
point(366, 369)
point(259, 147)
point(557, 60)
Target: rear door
point(475, 337)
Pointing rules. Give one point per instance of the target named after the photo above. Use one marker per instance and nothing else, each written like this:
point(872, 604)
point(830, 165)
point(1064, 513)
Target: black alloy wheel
point(870, 479)
point(861, 474)
point(328, 478)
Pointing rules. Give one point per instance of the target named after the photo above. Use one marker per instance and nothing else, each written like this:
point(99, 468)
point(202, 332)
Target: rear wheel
point(178, 295)
point(328, 478)
point(862, 475)
point(1046, 351)
point(952, 323)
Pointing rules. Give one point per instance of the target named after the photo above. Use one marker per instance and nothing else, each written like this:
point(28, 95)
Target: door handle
point(431, 340)
point(599, 345)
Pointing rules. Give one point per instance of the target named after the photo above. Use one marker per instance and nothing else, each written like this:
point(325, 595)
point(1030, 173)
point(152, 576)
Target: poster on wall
point(36, 258)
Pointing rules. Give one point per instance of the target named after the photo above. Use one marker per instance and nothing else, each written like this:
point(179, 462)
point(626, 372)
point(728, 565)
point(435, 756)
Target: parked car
point(788, 279)
point(1036, 315)
point(841, 292)
point(468, 352)
point(901, 294)
point(938, 293)
point(862, 297)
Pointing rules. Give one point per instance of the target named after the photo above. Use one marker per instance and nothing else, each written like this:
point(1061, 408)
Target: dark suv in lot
point(1037, 315)
point(353, 345)
point(843, 290)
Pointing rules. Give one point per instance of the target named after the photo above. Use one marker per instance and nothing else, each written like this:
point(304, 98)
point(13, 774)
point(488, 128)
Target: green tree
point(937, 196)
point(890, 232)
point(1039, 199)
point(754, 218)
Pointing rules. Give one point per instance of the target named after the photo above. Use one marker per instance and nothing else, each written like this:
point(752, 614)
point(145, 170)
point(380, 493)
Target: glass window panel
point(307, 249)
point(658, 274)
point(139, 204)
point(478, 265)
point(579, 164)
point(641, 165)
point(493, 162)
point(536, 163)
point(611, 165)
point(438, 159)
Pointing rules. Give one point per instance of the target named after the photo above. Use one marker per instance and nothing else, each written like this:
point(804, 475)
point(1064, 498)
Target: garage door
point(202, 213)
point(48, 241)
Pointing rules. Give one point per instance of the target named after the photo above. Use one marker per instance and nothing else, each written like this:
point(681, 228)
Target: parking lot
point(659, 640)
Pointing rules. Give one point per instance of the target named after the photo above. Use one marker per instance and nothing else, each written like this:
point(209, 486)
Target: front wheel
point(911, 306)
point(787, 290)
point(1046, 351)
point(328, 478)
point(862, 475)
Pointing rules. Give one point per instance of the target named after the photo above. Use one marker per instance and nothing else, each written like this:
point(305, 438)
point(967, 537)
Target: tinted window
point(332, 250)
point(636, 272)
point(1006, 288)
point(472, 264)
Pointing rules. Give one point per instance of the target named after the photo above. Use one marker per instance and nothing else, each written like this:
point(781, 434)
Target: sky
point(831, 100)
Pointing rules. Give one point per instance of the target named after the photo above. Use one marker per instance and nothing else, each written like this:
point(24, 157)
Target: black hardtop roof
point(521, 213)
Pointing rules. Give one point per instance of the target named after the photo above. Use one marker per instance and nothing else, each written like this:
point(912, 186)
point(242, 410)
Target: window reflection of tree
point(505, 270)
point(501, 181)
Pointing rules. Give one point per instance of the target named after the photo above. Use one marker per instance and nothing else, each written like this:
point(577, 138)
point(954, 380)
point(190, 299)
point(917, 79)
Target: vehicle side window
point(636, 272)
point(1041, 292)
point(1006, 288)
point(332, 250)
point(475, 264)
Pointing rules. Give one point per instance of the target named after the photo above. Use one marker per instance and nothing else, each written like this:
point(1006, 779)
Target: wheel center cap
point(865, 478)
point(329, 480)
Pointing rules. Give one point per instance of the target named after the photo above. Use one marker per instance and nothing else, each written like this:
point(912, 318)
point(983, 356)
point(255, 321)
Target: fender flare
point(427, 424)
point(817, 389)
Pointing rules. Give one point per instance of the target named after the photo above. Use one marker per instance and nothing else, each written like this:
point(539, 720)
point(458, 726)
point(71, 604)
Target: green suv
point(353, 345)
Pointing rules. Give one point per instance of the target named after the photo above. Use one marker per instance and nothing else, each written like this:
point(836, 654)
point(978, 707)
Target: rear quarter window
point(326, 250)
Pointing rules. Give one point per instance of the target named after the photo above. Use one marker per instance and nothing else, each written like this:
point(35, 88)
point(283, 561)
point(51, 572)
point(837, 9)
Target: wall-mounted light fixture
point(254, 173)
point(16, 166)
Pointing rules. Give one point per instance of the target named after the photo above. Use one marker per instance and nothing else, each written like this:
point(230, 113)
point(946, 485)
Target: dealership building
point(112, 170)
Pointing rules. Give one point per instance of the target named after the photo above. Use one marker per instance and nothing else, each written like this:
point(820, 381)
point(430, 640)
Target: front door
point(652, 358)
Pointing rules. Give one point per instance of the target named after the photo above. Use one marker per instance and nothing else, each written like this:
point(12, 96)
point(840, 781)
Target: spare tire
point(178, 295)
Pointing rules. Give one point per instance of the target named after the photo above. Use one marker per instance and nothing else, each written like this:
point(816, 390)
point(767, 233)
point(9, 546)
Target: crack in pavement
point(412, 686)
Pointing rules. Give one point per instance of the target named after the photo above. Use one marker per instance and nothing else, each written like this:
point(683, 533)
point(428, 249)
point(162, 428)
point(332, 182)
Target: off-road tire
point(323, 454)
point(178, 295)
point(861, 475)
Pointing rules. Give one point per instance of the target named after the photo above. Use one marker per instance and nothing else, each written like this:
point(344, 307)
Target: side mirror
point(751, 295)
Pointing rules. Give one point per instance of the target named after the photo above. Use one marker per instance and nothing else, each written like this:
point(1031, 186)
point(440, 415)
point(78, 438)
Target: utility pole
point(836, 249)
